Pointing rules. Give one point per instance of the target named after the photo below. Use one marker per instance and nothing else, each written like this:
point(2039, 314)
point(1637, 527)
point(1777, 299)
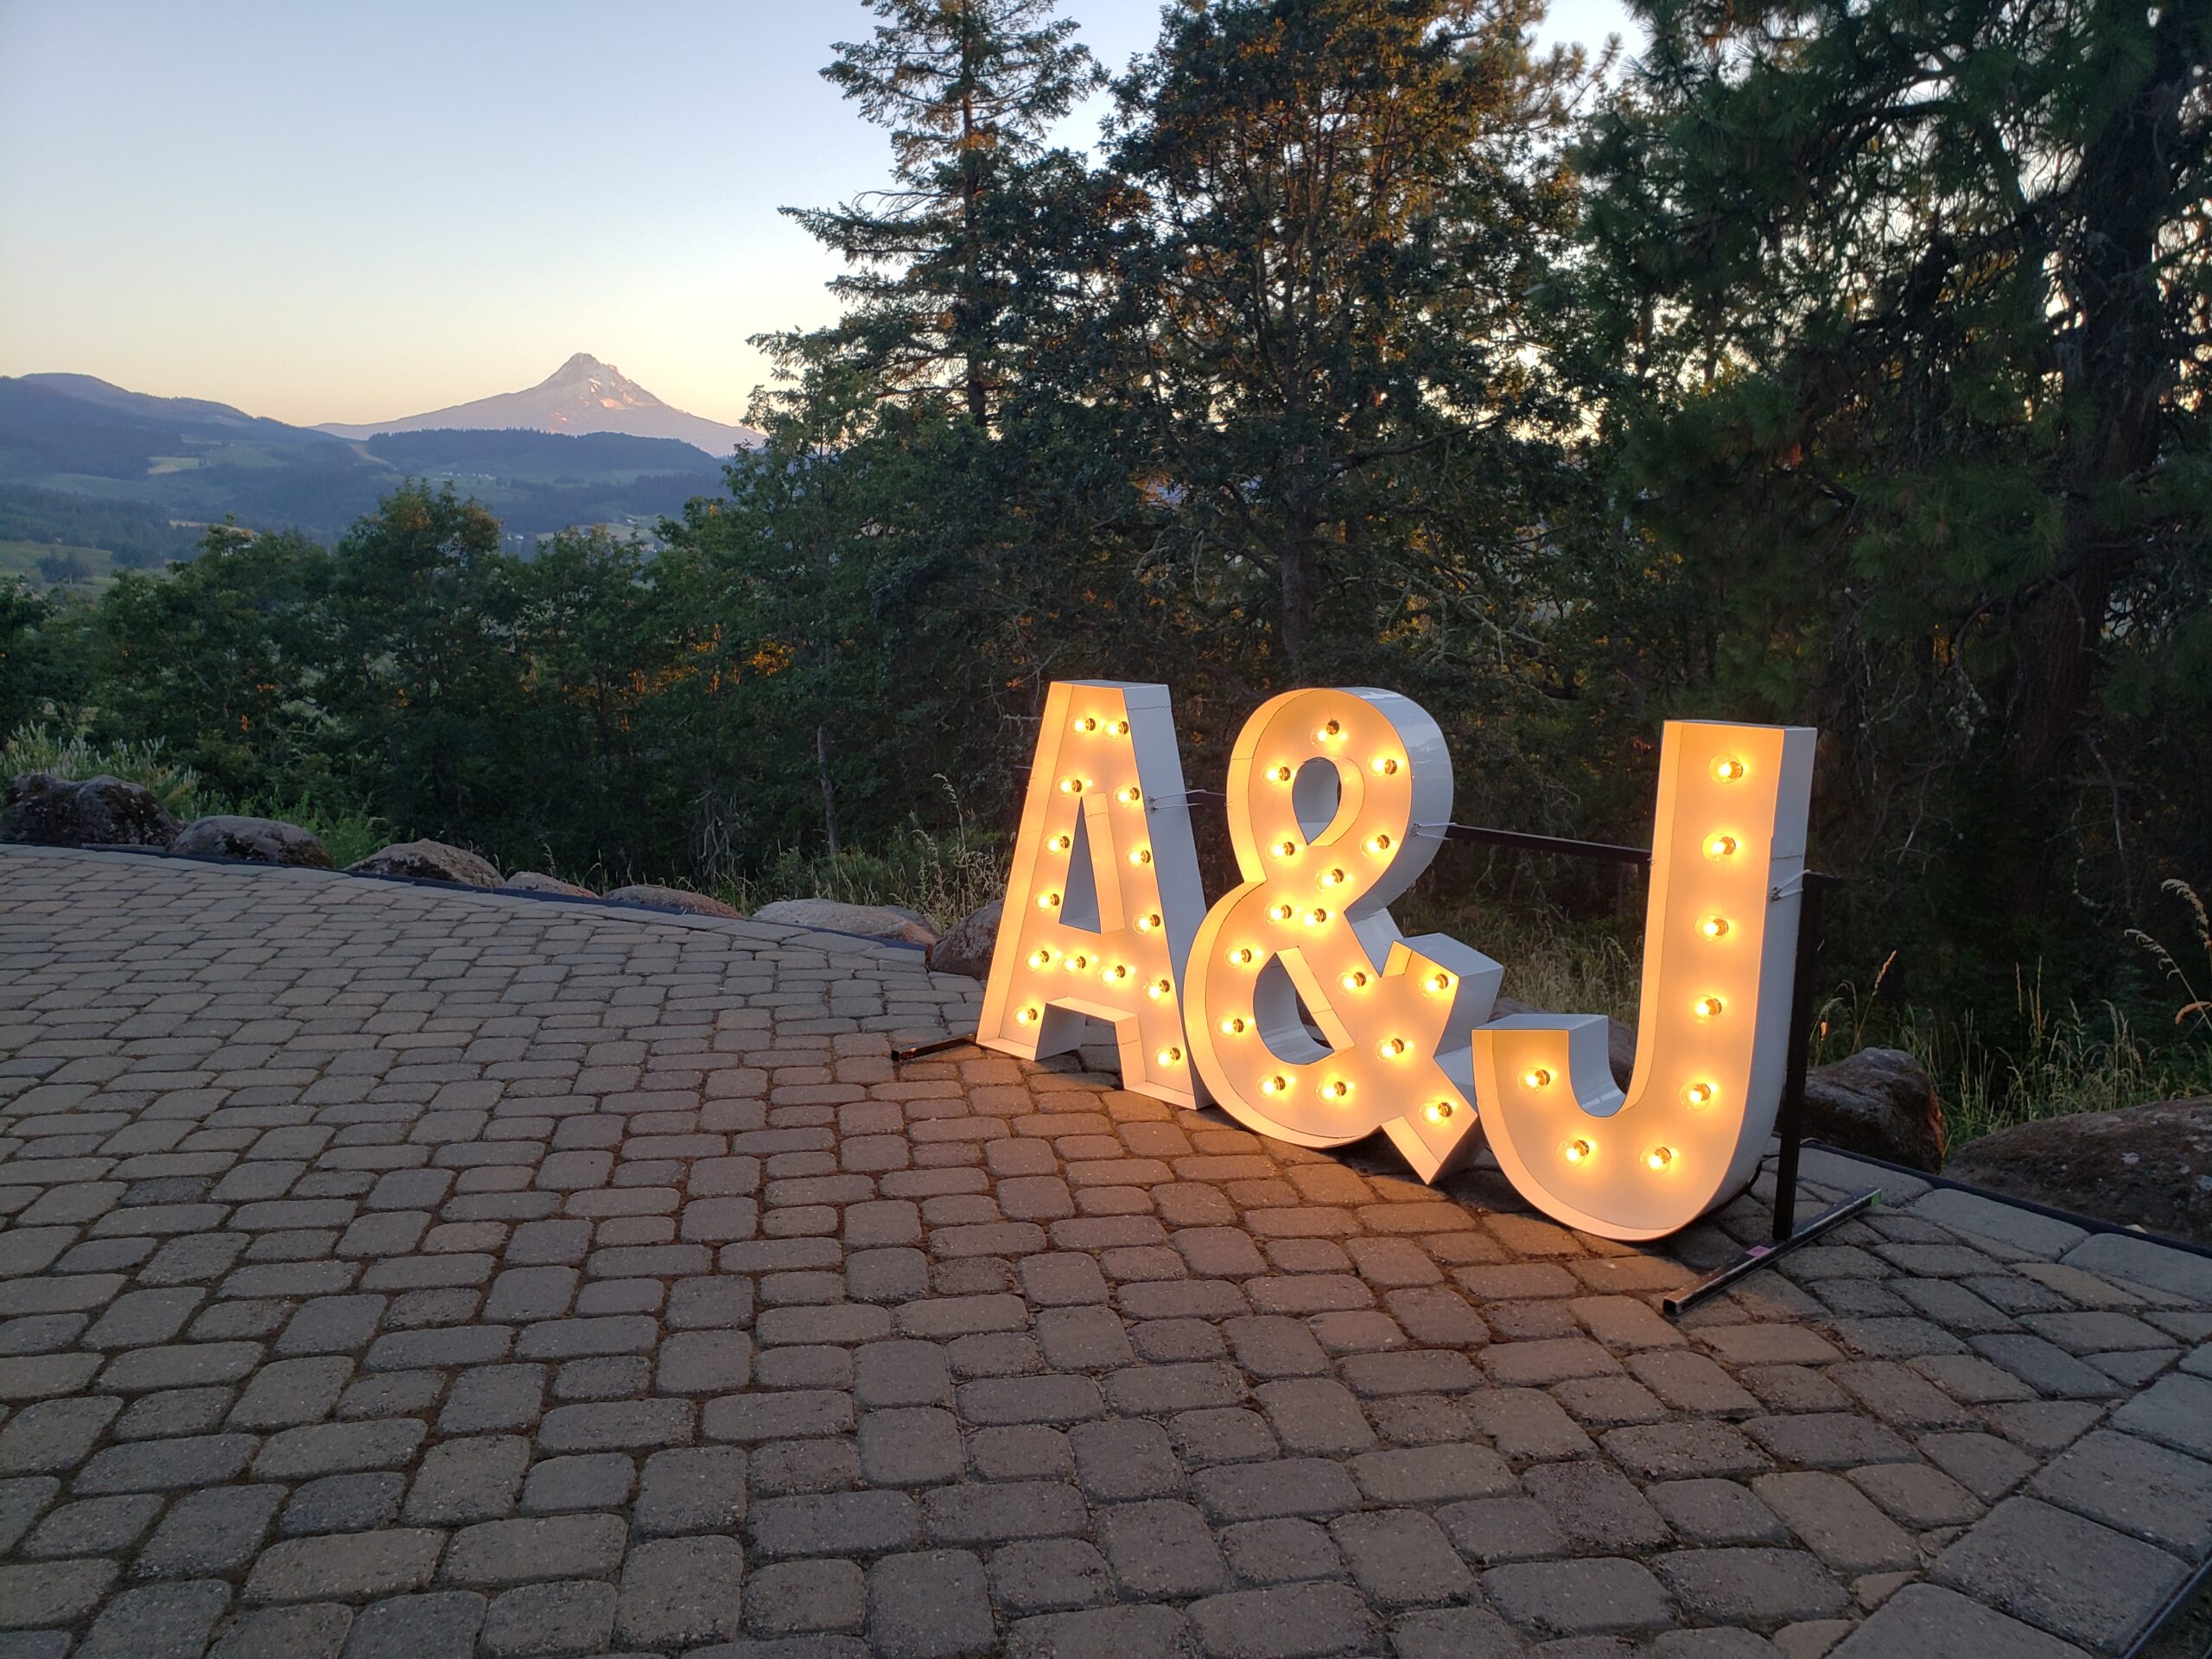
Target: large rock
point(537, 881)
point(1879, 1101)
point(256, 841)
point(44, 811)
point(2140, 1166)
point(869, 921)
point(967, 949)
point(428, 860)
point(679, 898)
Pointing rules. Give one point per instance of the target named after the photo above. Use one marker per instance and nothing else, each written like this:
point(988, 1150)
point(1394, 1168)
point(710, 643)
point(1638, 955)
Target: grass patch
point(945, 878)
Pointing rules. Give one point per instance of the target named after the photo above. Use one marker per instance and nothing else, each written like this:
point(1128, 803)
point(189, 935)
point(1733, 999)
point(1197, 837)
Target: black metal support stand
point(1789, 1124)
point(901, 1056)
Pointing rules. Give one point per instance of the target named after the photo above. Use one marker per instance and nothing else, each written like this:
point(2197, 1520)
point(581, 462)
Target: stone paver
point(390, 1270)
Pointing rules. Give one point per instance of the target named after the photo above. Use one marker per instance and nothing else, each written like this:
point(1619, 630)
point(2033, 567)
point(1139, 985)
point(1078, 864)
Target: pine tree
point(968, 89)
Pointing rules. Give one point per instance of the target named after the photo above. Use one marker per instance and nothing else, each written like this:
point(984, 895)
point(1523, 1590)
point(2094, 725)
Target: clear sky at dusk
point(327, 213)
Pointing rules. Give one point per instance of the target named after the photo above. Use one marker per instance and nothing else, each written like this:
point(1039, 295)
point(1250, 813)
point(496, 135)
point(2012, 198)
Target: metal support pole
point(1789, 1121)
point(901, 1056)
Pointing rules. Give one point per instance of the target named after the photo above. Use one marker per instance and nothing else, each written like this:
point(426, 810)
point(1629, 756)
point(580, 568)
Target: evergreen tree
point(968, 88)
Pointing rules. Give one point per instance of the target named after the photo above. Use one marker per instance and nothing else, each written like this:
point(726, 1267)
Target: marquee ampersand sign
point(1713, 1039)
point(1311, 1019)
point(1105, 893)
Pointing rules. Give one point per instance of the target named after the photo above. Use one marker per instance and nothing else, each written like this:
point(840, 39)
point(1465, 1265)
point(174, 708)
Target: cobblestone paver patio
point(388, 1271)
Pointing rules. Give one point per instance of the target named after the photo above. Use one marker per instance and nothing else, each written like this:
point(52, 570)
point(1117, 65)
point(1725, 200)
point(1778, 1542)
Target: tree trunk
point(829, 788)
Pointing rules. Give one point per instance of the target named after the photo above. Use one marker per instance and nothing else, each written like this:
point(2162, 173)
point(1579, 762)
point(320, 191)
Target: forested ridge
point(1829, 362)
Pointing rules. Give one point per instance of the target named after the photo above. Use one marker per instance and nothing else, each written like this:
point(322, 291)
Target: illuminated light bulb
point(1280, 774)
point(1241, 956)
point(1698, 1094)
point(1659, 1157)
point(1146, 924)
point(1158, 990)
point(1332, 879)
point(1575, 1151)
point(1275, 1085)
point(1283, 912)
point(1070, 786)
point(1286, 850)
point(1142, 855)
point(1437, 985)
point(1354, 981)
point(1116, 974)
point(1439, 1111)
point(1336, 1089)
point(1537, 1077)
point(1393, 1046)
point(1076, 964)
point(1705, 1007)
point(1061, 843)
point(1233, 1027)
point(1383, 766)
point(1713, 927)
point(1316, 916)
point(1378, 843)
point(1040, 958)
point(1728, 769)
point(1025, 1017)
point(1087, 723)
point(1720, 847)
point(1170, 1055)
point(1048, 901)
point(1330, 732)
point(1121, 728)
point(1130, 795)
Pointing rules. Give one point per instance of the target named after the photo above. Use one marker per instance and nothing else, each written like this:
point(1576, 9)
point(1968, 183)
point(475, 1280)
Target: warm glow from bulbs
point(1241, 956)
point(1286, 850)
point(1170, 1056)
point(1330, 732)
point(1281, 774)
point(1316, 916)
point(1332, 879)
point(1141, 855)
point(1158, 990)
point(1728, 769)
point(1705, 1007)
point(1087, 723)
point(1437, 985)
point(1146, 924)
point(1576, 1151)
point(1336, 1089)
point(1383, 766)
point(1659, 1157)
point(1233, 1027)
point(1713, 927)
point(1070, 786)
point(1275, 1085)
point(1537, 1077)
point(1698, 1094)
point(1121, 728)
point(1354, 981)
point(1040, 958)
point(1048, 901)
point(1439, 1111)
point(1720, 847)
point(1283, 912)
point(1025, 1017)
point(1116, 974)
point(1061, 843)
point(1076, 964)
point(1393, 1046)
point(1378, 843)
point(1130, 795)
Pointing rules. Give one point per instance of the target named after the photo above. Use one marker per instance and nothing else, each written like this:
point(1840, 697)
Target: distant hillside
point(582, 395)
point(88, 465)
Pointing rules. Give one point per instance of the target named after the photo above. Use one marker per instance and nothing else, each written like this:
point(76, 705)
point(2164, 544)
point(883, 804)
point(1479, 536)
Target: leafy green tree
point(221, 659)
point(968, 88)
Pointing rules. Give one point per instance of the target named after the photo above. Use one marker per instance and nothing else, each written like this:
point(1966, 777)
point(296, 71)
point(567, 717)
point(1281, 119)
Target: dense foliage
point(1835, 361)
